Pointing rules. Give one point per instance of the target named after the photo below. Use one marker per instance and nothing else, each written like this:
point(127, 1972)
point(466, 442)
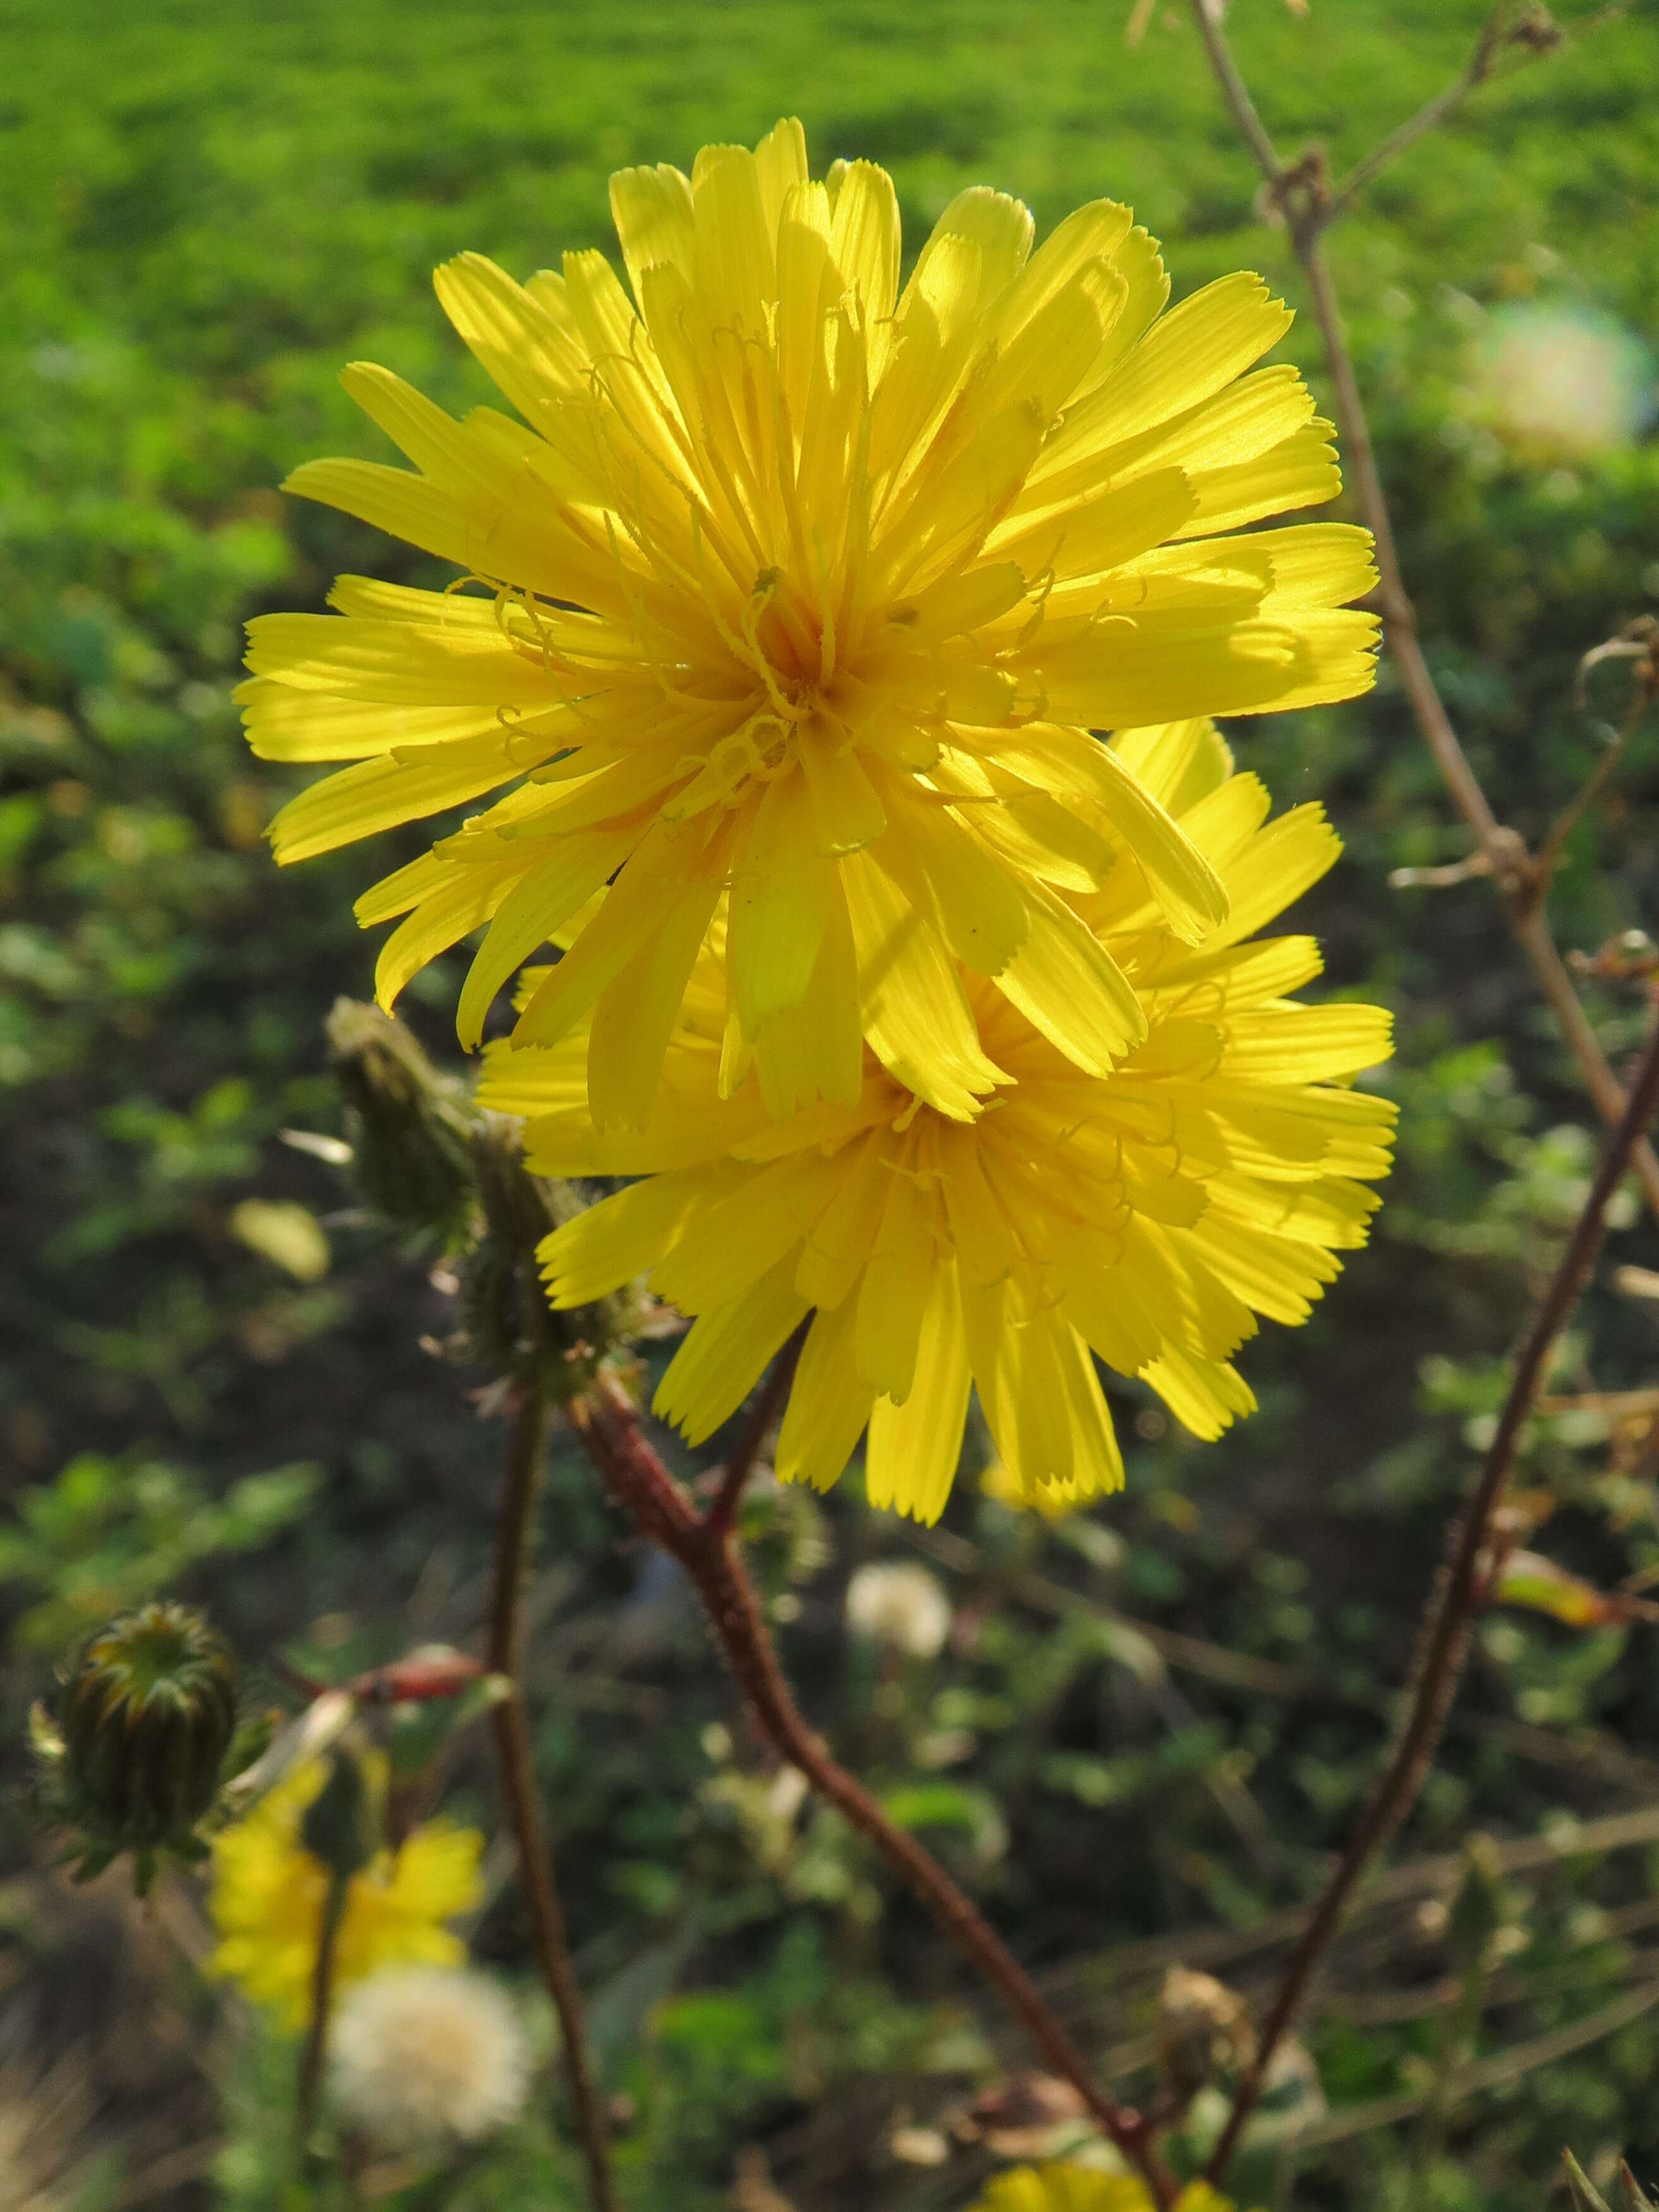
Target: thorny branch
point(609, 1427)
point(1459, 1592)
point(1301, 193)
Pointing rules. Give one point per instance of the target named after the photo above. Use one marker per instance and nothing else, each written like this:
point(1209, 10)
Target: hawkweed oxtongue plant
point(789, 607)
point(929, 1023)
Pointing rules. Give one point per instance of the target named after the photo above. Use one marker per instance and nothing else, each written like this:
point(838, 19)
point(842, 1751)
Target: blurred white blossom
point(1563, 379)
point(899, 1606)
point(420, 2055)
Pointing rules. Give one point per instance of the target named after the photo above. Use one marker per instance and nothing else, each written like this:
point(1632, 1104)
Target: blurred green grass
point(204, 211)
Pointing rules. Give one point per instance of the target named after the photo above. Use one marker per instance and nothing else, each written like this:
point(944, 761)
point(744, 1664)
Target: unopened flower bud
point(509, 1324)
point(148, 1718)
point(1203, 2030)
point(342, 1825)
point(411, 1127)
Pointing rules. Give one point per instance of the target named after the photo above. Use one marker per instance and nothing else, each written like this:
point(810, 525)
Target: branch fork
point(609, 1426)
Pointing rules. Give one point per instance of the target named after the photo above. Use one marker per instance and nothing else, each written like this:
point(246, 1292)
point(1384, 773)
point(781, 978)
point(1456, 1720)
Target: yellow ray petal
point(780, 166)
point(1179, 762)
point(779, 905)
point(528, 354)
point(633, 1016)
point(1067, 985)
point(815, 1049)
point(914, 1448)
point(548, 894)
point(651, 211)
point(1306, 1044)
point(376, 793)
point(1193, 896)
point(828, 1405)
point(598, 1250)
point(934, 855)
point(894, 1292)
point(466, 898)
point(1191, 354)
point(1301, 471)
point(915, 1014)
point(725, 1354)
point(1203, 1395)
point(864, 241)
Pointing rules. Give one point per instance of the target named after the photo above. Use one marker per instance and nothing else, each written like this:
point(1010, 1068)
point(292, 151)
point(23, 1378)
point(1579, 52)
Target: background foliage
point(1148, 1723)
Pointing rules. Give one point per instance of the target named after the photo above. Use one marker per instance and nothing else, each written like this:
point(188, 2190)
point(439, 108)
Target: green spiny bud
point(411, 1127)
point(148, 1718)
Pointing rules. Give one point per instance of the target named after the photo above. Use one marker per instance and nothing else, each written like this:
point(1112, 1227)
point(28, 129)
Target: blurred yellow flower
point(801, 592)
point(267, 1894)
point(1066, 2186)
point(1148, 1215)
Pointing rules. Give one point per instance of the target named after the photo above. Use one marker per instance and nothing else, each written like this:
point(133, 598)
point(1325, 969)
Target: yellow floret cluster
point(787, 618)
point(1144, 1218)
point(268, 1892)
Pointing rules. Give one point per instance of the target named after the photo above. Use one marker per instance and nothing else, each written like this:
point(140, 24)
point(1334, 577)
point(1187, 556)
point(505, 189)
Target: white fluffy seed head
point(899, 1606)
point(1564, 380)
point(422, 2054)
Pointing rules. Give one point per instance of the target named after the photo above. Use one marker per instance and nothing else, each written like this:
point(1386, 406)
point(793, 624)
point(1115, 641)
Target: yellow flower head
point(1148, 1215)
point(267, 1894)
point(801, 590)
point(1068, 2185)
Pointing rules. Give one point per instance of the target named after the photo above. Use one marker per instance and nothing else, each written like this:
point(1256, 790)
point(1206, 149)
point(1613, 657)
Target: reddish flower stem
point(635, 1474)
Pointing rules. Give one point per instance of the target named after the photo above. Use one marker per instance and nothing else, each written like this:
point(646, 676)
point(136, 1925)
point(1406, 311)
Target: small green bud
point(342, 1824)
point(411, 1127)
point(147, 1719)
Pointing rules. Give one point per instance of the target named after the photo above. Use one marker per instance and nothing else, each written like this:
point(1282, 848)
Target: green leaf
point(1530, 1579)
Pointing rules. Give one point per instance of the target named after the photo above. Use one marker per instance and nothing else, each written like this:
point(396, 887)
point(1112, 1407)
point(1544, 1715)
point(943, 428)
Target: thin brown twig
point(1495, 35)
point(1301, 196)
point(1647, 682)
point(768, 1403)
point(514, 1758)
point(1502, 2068)
point(1456, 1598)
point(609, 1426)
